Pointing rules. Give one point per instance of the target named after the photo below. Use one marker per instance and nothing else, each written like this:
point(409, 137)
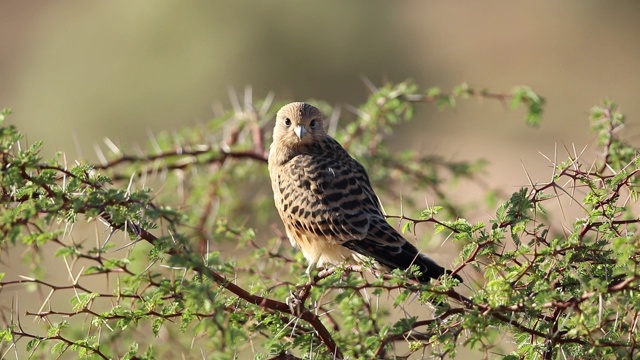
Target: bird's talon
point(295, 303)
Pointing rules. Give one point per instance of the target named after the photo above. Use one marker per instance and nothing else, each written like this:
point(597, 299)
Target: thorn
point(176, 142)
point(100, 154)
point(370, 86)
point(527, 173)
point(248, 99)
point(114, 149)
point(113, 231)
point(128, 192)
point(76, 142)
point(333, 120)
point(154, 141)
point(266, 104)
point(235, 103)
point(138, 150)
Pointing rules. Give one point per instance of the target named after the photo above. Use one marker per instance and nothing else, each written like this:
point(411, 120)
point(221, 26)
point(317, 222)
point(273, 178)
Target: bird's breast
point(318, 249)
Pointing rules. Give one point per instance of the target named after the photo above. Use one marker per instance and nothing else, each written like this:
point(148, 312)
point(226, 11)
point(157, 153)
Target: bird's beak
point(300, 131)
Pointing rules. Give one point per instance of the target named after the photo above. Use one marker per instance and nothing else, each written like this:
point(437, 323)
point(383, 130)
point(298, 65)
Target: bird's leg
point(296, 300)
point(312, 265)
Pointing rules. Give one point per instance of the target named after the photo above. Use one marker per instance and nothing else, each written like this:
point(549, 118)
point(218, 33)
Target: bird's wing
point(387, 246)
point(328, 196)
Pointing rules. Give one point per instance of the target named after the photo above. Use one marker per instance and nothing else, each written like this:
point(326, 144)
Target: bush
point(172, 252)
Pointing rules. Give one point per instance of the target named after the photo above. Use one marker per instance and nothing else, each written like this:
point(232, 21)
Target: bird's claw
point(295, 303)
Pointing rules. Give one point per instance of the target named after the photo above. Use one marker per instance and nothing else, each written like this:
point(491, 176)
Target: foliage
point(171, 252)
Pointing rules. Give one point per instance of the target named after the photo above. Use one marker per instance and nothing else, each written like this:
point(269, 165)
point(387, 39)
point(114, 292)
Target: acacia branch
point(200, 267)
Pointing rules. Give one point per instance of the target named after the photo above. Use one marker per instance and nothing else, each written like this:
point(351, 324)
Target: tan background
point(86, 70)
point(119, 68)
point(75, 72)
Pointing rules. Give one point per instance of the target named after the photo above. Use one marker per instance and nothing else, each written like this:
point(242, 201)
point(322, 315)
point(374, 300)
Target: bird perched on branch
point(326, 202)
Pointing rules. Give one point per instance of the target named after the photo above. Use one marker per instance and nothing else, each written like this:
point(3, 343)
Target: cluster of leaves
point(195, 269)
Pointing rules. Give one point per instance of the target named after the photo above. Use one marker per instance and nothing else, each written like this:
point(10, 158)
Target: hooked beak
point(300, 131)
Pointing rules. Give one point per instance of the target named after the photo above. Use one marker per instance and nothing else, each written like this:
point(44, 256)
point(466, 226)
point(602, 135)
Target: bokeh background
point(76, 72)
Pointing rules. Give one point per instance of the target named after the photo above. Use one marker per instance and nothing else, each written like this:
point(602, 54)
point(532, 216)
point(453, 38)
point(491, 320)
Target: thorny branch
point(523, 315)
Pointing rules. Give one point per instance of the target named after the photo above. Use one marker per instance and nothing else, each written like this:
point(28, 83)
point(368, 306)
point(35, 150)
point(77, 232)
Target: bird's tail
point(429, 268)
point(401, 257)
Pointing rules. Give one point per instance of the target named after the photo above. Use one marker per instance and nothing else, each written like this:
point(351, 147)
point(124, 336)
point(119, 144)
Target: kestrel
point(326, 202)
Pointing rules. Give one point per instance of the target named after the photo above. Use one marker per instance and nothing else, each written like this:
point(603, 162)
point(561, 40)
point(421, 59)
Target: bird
point(325, 199)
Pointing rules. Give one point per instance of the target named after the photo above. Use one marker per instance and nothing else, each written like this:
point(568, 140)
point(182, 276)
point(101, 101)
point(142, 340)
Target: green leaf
point(406, 227)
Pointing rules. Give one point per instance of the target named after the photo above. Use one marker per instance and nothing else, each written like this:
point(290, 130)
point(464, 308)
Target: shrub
point(171, 252)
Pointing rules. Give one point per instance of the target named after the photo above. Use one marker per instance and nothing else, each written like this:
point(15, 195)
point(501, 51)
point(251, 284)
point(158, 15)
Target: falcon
point(326, 202)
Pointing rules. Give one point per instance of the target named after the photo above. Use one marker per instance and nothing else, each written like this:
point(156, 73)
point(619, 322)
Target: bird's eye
point(287, 122)
point(312, 123)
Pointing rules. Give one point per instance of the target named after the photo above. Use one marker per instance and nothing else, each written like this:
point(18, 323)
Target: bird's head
point(298, 124)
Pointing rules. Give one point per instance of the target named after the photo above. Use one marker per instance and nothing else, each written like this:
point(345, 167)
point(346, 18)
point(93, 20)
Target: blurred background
point(76, 72)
